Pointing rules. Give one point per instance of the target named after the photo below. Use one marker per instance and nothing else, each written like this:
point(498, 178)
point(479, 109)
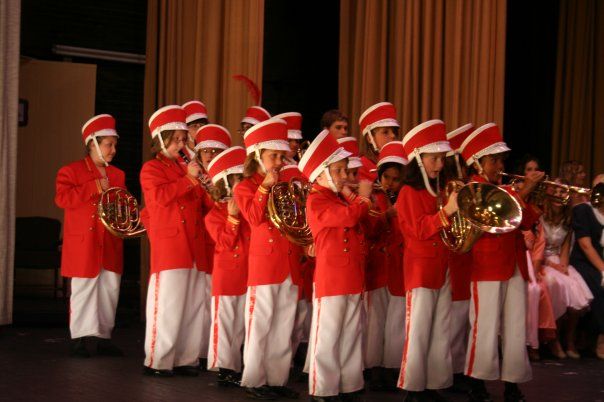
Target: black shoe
point(416, 396)
point(151, 372)
point(285, 392)
point(104, 347)
point(78, 348)
point(334, 398)
point(186, 371)
point(377, 383)
point(434, 396)
point(228, 378)
point(461, 384)
point(478, 391)
point(203, 364)
point(260, 393)
point(512, 393)
point(351, 396)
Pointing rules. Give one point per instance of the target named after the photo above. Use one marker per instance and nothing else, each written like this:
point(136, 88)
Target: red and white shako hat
point(457, 137)
point(351, 145)
point(228, 162)
point(322, 152)
point(381, 114)
point(429, 136)
point(394, 152)
point(485, 140)
point(294, 124)
point(171, 117)
point(212, 136)
point(102, 125)
point(195, 110)
point(269, 134)
point(289, 172)
point(255, 115)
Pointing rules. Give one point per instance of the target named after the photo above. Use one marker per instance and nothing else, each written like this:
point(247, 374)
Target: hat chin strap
point(424, 174)
point(372, 142)
point(330, 181)
point(98, 151)
point(259, 160)
point(229, 193)
point(162, 145)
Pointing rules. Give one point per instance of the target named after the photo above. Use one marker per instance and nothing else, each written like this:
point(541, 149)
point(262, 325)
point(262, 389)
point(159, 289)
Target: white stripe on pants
point(460, 327)
point(394, 335)
point(301, 329)
point(205, 294)
point(227, 332)
point(336, 363)
point(376, 308)
point(270, 311)
point(427, 352)
point(498, 308)
point(173, 319)
point(92, 305)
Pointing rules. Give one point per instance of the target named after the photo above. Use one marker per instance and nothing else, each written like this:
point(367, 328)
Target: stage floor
point(35, 366)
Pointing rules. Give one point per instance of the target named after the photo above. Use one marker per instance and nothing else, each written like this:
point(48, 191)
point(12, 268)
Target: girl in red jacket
point(91, 256)
point(334, 213)
point(498, 280)
point(173, 198)
point(378, 126)
point(273, 268)
point(231, 234)
point(426, 363)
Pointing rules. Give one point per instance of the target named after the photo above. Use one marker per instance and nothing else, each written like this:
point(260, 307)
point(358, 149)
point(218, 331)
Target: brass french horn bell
point(120, 214)
point(287, 210)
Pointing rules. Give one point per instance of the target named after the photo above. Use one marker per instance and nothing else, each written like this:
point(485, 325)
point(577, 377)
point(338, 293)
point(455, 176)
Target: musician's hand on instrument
point(532, 179)
point(451, 206)
point(365, 188)
point(271, 178)
point(346, 191)
point(232, 207)
point(104, 183)
point(193, 169)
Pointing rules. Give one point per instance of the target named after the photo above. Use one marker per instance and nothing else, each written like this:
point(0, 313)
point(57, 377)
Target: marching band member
point(336, 123)
point(426, 362)
point(460, 269)
point(197, 117)
point(174, 198)
point(91, 256)
point(499, 274)
point(334, 213)
point(273, 268)
point(231, 234)
point(294, 135)
point(210, 140)
point(378, 126)
point(253, 116)
point(390, 175)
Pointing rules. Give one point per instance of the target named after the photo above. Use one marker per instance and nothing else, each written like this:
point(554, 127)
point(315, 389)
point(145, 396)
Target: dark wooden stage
point(35, 366)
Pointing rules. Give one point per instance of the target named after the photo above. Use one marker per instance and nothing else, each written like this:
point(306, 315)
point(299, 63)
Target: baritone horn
point(287, 210)
point(120, 214)
point(483, 207)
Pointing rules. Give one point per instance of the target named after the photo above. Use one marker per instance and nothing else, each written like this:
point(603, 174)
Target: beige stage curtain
point(578, 129)
point(194, 47)
point(430, 58)
point(10, 19)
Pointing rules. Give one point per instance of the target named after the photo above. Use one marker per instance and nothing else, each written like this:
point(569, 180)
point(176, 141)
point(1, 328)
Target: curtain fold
point(10, 19)
point(431, 58)
point(578, 118)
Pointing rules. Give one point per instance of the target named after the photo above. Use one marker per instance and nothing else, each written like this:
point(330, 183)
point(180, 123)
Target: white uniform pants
point(270, 312)
point(460, 327)
point(336, 362)
point(376, 308)
point(394, 335)
point(427, 353)
point(205, 295)
point(92, 305)
point(498, 308)
point(301, 325)
point(227, 332)
point(173, 319)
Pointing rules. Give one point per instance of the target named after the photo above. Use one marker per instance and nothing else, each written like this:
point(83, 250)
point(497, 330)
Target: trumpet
point(541, 189)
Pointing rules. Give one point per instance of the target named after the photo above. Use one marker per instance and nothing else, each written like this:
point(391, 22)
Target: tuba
point(483, 207)
point(287, 210)
point(120, 214)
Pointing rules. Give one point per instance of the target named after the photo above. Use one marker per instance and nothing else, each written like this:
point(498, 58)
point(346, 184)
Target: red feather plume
point(251, 86)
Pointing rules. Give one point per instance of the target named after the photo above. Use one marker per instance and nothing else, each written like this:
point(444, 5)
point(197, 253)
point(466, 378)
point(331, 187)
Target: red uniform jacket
point(460, 273)
point(495, 256)
point(174, 207)
point(425, 258)
point(396, 244)
point(272, 258)
point(378, 238)
point(340, 244)
point(368, 171)
point(232, 242)
point(87, 245)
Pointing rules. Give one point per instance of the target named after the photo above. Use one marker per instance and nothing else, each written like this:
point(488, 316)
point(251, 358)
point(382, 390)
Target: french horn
point(287, 210)
point(120, 213)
